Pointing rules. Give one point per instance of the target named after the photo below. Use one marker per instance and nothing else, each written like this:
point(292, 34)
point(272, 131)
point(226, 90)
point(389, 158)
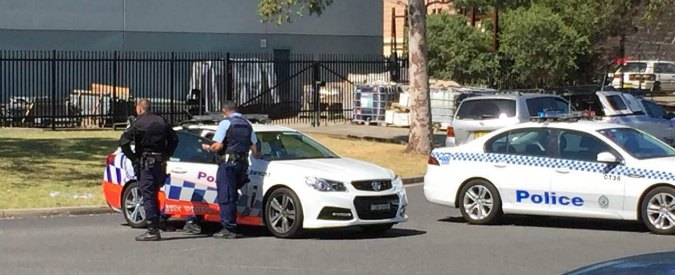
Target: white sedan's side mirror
point(607, 157)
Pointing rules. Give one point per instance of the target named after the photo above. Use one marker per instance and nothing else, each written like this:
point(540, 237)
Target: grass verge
point(56, 169)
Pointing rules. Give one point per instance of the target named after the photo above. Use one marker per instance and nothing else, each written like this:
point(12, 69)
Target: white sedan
point(299, 184)
point(576, 169)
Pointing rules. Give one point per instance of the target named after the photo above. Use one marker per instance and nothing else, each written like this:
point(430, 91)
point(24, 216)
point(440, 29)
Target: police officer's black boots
point(192, 228)
point(226, 234)
point(164, 225)
point(153, 231)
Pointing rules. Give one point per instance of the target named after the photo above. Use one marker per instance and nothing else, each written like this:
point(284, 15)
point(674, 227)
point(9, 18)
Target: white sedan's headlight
point(325, 185)
point(397, 183)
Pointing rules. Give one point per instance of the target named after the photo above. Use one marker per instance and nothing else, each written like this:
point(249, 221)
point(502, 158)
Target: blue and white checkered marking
point(585, 166)
point(118, 173)
point(177, 189)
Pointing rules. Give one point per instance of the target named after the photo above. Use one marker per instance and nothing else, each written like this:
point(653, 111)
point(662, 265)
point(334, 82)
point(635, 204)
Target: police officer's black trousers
point(152, 178)
point(231, 176)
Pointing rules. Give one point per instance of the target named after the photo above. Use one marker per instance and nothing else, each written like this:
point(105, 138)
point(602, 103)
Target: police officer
point(232, 142)
point(155, 141)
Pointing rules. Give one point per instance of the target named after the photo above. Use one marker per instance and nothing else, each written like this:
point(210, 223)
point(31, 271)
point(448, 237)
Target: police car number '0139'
point(548, 198)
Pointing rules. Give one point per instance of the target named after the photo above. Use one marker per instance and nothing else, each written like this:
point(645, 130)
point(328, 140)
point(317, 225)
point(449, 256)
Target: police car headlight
point(325, 185)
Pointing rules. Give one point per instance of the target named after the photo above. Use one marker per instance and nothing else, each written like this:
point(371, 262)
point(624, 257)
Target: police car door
point(192, 177)
point(518, 169)
point(581, 185)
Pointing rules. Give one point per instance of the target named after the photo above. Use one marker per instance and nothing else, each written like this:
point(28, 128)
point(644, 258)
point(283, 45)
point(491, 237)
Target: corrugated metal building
point(348, 26)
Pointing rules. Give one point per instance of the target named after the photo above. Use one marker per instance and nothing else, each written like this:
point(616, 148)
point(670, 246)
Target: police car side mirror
point(608, 158)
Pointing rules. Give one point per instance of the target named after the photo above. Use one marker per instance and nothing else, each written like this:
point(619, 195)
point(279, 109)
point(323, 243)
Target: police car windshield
point(290, 146)
point(638, 144)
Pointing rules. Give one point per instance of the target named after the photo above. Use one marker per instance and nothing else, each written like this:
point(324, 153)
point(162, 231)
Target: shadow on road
point(357, 234)
point(563, 222)
point(353, 233)
point(439, 139)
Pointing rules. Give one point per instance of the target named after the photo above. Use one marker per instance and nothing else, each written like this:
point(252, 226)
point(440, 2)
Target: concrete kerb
point(101, 209)
point(58, 211)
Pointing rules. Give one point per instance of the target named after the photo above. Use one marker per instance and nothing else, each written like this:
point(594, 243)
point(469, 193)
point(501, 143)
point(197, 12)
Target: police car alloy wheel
point(132, 205)
point(658, 210)
point(283, 213)
point(479, 202)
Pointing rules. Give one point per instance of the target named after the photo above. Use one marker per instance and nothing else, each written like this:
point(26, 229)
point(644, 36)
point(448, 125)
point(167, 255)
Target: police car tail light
point(110, 160)
point(450, 132)
point(433, 161)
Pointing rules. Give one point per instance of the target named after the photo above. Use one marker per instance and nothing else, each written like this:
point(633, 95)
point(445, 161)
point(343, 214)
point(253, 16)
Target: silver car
point(477, 116)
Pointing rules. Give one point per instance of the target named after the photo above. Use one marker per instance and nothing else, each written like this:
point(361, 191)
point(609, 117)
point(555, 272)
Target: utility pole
point(622, 56)
point(495, 19)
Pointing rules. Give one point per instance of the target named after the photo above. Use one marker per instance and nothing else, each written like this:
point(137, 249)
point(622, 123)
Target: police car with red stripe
point(558, 166)
point(299, 184)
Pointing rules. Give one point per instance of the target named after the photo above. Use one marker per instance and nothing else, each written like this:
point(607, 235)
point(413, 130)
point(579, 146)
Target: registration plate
point(478, 134)
point(380, 207)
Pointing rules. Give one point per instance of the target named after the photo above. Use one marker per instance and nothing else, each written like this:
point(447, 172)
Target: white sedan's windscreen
point(638, 144)
point(290, 146)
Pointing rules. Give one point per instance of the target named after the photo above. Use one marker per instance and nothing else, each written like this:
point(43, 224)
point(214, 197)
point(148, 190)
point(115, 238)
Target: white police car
point(299, 184)
point(560, 168)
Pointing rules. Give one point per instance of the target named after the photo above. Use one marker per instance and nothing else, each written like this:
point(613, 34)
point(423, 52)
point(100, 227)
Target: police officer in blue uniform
point(155, 141)
point(232, 142)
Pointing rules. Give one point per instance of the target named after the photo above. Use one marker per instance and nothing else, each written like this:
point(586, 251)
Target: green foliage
point(543, 48)
point(282, 11)
point(458, 51)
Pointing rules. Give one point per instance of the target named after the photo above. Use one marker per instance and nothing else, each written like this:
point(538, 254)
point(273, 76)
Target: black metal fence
point(98, 89)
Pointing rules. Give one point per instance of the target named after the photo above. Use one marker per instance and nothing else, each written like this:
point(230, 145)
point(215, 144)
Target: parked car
point(651, 75)
point(645, 264)
point(477, 116)
point(573, 168)
point(626, 109)
point(299, 184)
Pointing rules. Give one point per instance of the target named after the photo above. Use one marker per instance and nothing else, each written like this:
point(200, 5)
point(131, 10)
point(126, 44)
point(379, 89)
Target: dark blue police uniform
point(236, 134)
point(155, 141)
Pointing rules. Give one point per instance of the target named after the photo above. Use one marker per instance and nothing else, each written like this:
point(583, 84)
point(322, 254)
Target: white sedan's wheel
point(134, 212)
point(658, 210)
point(283, 213)
point(480, 203)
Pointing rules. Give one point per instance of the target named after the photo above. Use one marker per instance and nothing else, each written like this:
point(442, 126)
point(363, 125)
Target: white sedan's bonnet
point(659, 164)
point(339, 169)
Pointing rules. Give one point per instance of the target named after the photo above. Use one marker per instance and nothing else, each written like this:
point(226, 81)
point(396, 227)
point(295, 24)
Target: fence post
point(53, 90)
point(172, 86)
point(316, 81)
point(113, 102)
point(229, 93)
point(394, 71)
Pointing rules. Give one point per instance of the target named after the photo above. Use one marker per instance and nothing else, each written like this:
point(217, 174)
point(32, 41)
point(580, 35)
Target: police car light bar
point(564, 116)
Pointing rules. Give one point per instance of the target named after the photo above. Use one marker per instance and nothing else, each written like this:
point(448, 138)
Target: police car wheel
point(376, 228)
point(132, 206)
point(658, 210)
point(283, 214)
point(480, 203)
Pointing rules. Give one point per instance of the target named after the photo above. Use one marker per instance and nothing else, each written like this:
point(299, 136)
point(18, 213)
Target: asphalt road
point(434, 241)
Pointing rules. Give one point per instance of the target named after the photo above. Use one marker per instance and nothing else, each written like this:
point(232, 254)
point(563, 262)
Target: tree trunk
point(421, 134)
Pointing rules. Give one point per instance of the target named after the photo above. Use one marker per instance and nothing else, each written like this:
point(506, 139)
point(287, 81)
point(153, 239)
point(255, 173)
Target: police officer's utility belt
point(151, 157)
point(232, 157)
